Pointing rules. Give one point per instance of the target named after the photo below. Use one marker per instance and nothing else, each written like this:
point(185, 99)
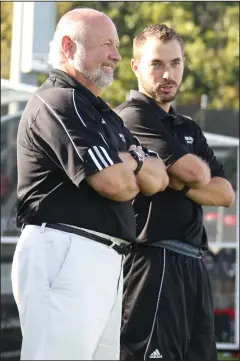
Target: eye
point(177, 62)
point(107, 44)
point(156, 65)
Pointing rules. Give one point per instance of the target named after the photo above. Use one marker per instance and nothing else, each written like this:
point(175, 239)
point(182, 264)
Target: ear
point(134, 65)
point(67, 46)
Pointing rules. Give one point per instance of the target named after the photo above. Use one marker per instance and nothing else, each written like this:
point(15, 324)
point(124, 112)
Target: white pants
point(68, 290)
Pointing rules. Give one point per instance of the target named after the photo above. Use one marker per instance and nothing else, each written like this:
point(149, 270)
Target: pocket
point(57, 247)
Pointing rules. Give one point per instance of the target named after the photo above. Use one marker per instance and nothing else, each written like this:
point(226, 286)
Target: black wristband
point(139, 159)
point(185, 189)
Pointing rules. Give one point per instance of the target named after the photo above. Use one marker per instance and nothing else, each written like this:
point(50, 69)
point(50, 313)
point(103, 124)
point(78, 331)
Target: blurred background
point(209, 94)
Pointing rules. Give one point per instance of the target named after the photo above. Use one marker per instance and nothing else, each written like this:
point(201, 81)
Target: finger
point(140, 150)
point(132, 147)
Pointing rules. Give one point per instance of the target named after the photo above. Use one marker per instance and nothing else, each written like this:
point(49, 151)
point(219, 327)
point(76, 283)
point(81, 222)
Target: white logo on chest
point(122, 137)
point(188, 139)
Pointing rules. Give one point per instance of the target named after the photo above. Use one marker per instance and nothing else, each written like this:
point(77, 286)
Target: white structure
point(33, 28)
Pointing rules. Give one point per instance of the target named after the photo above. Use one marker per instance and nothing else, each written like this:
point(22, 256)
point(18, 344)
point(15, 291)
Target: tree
point(210, 32)
point(211, 35)
point(6, 33)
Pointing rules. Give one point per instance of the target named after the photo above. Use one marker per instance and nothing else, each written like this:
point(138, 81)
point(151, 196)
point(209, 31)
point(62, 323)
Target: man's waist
point(198, 241)
point(118, 244)
point(111, 220)
point(179, 247)
point(99, 234)
point(109, 226)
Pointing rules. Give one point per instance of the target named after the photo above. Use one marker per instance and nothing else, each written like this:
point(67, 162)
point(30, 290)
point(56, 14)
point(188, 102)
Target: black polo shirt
point(65, 134)
point(169, 214)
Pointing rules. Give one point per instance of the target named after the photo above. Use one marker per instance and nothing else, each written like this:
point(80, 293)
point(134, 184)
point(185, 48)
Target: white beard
point(99, 77)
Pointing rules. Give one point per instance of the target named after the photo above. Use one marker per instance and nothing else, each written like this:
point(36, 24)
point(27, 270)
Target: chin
point(167, 98)
point(164, 99)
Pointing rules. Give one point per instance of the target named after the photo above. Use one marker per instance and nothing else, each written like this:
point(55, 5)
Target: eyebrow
point(117, 44)
point(177, 59)
point(160, 61)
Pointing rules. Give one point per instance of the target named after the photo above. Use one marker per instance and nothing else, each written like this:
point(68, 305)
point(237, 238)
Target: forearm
point(203, 180)
point(218, 192)
point(191, 170)
point(117, 183)
point(152, 177)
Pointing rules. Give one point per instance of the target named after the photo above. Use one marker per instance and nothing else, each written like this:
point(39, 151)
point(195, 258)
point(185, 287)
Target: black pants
point(167, 308)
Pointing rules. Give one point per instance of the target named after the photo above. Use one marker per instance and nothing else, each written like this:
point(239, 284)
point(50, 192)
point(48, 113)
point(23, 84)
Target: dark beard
point(166, 98)
point(163, 98)
point(160, 97)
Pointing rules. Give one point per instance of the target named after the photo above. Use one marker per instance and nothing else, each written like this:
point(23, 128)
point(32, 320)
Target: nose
point(116, 56)
point(166, 75)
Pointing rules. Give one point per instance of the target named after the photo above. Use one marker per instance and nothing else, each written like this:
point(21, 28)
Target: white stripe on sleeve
point(95, 160)
point(155, 153)
point(107, 156)
point(100, 156)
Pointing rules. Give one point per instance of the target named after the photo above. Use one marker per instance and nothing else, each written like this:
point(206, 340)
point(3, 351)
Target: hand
point(128, 160)
point(175, 183)
point(137, 149)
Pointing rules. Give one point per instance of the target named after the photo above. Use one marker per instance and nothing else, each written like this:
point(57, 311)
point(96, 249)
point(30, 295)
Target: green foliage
point(210, 31)
point(6, 33)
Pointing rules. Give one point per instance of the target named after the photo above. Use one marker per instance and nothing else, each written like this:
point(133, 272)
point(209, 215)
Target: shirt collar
point(171, 115)
point(69, 81)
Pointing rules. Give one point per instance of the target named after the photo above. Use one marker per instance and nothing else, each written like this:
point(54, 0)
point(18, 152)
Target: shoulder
point(131, 105)
point(59, 97)
point(189, 122)
point(131, 112)
point(185, 118)
point(64, 103)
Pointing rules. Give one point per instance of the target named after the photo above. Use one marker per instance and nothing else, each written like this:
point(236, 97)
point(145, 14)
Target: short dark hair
point(159, 31)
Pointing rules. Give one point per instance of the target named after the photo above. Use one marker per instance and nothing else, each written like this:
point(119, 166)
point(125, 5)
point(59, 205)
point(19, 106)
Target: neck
point(164, 106)
point(74, 73)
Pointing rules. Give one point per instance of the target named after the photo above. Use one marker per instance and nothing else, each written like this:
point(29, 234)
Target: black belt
point(180, 247)
point(120, 248)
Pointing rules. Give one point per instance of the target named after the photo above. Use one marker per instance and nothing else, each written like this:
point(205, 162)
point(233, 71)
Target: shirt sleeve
point(72, 136)
point(203, 150)
point(152, 135)
point(133, 139)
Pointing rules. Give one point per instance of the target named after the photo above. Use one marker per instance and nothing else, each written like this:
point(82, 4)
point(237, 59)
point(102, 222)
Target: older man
point(78, 170)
